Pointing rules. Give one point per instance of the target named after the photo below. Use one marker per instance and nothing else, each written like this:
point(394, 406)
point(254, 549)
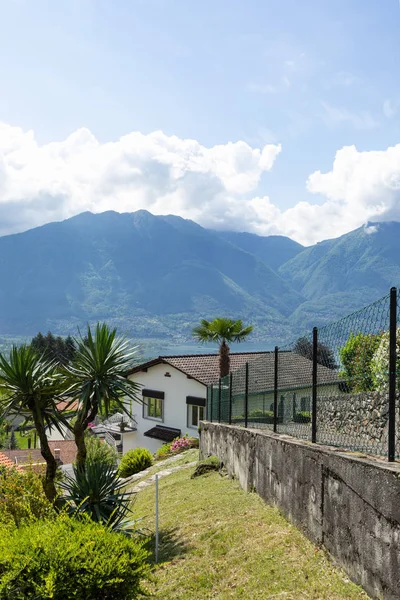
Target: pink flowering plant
point(184, 443)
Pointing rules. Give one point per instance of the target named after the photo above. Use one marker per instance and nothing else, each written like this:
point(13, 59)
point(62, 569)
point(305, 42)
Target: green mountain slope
point(273, 250)
point(135, 270)
point(341, 275)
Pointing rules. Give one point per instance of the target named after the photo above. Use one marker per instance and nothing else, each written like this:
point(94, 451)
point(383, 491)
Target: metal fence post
point(211, 402)
point(314, 387)
point(246, 396)
point(392, 375)
point(219, 401)
point(230, 399)
point(276, 389)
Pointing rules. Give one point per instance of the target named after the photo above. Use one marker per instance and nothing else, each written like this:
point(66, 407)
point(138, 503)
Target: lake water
point(160, 348)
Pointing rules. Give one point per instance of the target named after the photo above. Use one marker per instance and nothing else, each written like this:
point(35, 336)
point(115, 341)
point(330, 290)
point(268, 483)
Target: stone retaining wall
point(350, 505)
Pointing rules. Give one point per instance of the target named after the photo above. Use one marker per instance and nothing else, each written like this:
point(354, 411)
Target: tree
point(31, 385)
point(55, 348)
point(12, 441)
point(97, 378)
point(221, 331)
point(325, 355)
point(356, 359)
point(380, 362)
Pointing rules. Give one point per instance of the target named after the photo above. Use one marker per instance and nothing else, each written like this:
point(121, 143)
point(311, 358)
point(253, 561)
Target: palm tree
point(31, 386)
point(97, 378)
point(222, 331)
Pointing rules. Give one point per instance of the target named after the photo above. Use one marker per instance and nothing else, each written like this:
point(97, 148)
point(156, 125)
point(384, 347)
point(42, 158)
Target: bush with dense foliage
point(135, 461)
point(356, 357)
point(163, 451)
point(99, 451)
point(66, 558)
point(380, 363)
point(97, 492)
point(22, 498)
point(302, 417)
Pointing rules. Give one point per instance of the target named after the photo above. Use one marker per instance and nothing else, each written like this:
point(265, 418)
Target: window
point(305, 404)
point(195, 415)
point(153, 408)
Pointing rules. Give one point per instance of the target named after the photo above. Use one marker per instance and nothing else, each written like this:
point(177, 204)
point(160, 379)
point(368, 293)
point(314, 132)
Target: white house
point(174, 391)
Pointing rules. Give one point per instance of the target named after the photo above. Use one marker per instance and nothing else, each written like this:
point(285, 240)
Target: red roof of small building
point(5, 461)
point(204, 368)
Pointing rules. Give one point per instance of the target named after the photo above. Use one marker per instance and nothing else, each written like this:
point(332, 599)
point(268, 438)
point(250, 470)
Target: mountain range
point(156, 276)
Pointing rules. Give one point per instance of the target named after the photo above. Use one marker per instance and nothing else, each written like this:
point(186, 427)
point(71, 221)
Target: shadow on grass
point(170, 545)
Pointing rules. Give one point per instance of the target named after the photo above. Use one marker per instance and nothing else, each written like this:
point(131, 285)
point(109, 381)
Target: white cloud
point(217, 187)
point(157, 172)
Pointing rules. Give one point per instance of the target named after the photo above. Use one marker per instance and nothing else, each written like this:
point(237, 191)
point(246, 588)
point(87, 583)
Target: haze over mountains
point(155, 276)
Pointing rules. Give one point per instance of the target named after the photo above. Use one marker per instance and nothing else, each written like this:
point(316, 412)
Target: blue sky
point(314, 77)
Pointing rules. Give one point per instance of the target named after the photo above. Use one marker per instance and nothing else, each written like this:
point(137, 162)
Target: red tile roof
point(5, 461)
point(67, 404)
point(67, 449)
point(201, 367)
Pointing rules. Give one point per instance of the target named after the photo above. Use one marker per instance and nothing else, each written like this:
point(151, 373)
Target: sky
point(267, 116)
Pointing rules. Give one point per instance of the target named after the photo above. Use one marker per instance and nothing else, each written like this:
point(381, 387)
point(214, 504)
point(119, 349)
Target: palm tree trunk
point(51, 463)
point(224, 361)
point(79, 435)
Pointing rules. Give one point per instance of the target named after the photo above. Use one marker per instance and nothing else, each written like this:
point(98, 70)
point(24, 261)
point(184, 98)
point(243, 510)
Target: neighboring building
point(174, 390)
point(64, 451)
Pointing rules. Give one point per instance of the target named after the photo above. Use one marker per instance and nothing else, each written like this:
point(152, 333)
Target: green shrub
point(265, 416)
point(99, 451)
point(163, 451)
point(22, 497)
point(135, 461)
point(97, 492)
point(302, 417)
point(66, 558)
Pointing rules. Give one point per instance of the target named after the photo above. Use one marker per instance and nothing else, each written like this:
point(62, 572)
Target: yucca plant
point(97, 378)
point(221, 331)
point(96, 491)
point(31, 386)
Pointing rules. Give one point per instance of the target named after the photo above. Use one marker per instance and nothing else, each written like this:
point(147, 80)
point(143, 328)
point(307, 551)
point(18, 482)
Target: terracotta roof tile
point(5, 461)
point(294, 370)
point(67, 449)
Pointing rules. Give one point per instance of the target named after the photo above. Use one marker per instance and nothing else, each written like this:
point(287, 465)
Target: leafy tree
point(31, 385)
point(12, 441)
point(380, 362)
point(55, 348)
point(97, 378)
point(356, 358)
point(325, 355)
point(221, 331)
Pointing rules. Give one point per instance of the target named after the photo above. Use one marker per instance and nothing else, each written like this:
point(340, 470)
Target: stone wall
point(348, 504)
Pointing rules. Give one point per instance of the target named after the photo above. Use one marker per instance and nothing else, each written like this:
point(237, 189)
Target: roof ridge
point(166, 356)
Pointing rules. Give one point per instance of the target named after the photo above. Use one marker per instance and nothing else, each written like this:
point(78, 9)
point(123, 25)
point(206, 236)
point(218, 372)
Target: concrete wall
point(176, 387)
point(349, 504)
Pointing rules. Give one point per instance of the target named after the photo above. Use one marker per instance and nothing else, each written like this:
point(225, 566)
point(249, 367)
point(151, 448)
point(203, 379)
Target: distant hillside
point(137, 270)
point(156, 276)
point(341, 275)
point(273, 250)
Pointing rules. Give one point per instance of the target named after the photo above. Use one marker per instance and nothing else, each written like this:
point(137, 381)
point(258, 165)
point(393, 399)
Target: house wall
point(176, 388)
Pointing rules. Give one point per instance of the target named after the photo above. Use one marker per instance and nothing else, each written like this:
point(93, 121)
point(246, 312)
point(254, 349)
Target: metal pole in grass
point(156, 518)
point(246, 396)
point(276, 389)
point(314, 387)
point(392, 375)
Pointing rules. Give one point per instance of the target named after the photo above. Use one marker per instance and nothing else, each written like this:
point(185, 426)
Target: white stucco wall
point(176, 388)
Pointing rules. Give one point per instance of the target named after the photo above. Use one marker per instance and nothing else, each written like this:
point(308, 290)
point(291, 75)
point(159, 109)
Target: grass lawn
point(217, 541)
point(23, 439)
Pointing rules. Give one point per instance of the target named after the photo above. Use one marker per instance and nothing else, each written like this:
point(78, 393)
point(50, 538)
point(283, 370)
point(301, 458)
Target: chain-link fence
point(337, 385)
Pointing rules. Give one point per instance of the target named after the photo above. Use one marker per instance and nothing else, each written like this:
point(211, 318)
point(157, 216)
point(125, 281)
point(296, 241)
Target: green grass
point(23, 440)
point(217, 541)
